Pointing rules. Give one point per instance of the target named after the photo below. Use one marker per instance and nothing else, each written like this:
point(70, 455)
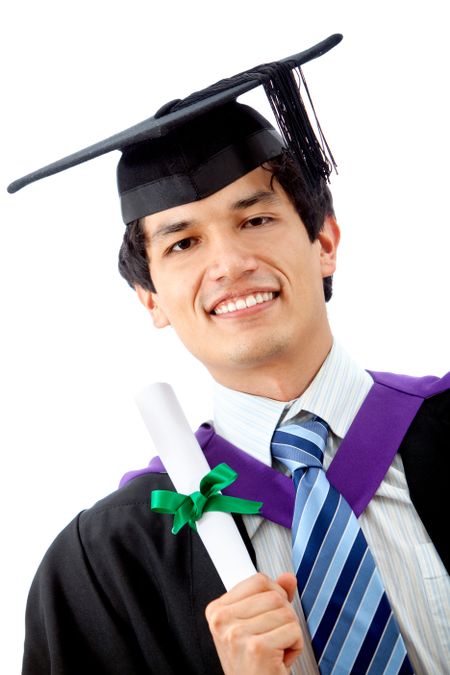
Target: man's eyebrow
point(259, 197)
point(170, 228)
point(262, 196)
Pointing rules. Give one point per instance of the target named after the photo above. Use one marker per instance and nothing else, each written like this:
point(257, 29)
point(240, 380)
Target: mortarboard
point(193, 147)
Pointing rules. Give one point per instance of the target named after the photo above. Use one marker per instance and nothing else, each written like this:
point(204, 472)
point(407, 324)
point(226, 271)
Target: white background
point(75, 344)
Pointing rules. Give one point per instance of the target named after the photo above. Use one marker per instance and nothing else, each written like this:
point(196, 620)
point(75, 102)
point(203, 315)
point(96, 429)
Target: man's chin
point(251, 353)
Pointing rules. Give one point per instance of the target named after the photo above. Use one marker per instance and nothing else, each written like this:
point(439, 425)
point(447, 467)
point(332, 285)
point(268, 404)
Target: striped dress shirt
point(414, 576)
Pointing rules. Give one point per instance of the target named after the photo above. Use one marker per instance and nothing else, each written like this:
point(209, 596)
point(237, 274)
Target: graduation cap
point(193, 147)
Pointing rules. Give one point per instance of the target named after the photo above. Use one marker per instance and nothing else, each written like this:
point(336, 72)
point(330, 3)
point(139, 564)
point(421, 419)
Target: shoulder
point(437, 407)
point(428, 436)
point(426, 460)
point(429, 429)
point(134, 495)
point(426, 387)
point(432, 393)
point(433, 416)
point(115, 549)
point(118, 525)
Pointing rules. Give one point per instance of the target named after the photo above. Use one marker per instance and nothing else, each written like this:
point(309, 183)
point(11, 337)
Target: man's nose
point(229, 258)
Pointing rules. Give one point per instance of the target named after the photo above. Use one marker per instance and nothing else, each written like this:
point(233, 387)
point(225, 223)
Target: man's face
point(238, 278)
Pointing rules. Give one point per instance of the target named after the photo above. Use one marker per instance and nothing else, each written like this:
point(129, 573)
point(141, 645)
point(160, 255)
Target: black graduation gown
point(118, 594)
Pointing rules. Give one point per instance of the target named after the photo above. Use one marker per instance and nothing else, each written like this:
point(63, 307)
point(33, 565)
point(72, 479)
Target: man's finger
point(258, 583)
point(288, 582)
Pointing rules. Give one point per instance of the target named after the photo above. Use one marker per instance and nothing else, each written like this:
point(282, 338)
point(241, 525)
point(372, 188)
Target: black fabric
point(118, 594)
point(425, 452)
point(194, 161)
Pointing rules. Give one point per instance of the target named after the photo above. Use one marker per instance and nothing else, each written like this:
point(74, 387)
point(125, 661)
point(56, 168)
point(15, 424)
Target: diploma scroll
point(186, 465)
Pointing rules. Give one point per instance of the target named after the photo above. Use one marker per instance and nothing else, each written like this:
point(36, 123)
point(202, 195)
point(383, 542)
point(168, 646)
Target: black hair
point(313, 206)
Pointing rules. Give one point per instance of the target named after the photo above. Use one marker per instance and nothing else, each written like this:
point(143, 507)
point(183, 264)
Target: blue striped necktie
point(348, 614)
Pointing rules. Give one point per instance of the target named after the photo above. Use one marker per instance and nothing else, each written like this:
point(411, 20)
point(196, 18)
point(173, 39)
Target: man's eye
point(182, 245)
point(257, 221)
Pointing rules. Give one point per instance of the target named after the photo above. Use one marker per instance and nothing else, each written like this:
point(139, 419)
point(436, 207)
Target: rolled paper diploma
point(186, 465)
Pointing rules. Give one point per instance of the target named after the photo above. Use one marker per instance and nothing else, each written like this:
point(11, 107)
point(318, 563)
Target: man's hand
point(255, 628)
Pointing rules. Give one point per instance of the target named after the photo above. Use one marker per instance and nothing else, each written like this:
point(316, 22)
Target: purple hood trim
point(255, 480)
point(424, 387)
point(360, 463)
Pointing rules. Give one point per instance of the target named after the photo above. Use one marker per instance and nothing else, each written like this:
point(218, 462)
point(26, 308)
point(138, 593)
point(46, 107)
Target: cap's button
point(166, 108)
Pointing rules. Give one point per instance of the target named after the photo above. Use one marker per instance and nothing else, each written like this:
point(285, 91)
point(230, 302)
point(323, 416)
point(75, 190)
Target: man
point(231, 239)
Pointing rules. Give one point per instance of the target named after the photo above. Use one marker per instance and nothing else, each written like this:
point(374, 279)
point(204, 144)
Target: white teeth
point(243, 303)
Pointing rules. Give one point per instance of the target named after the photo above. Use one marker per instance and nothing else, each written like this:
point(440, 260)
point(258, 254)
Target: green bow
point(190, 508)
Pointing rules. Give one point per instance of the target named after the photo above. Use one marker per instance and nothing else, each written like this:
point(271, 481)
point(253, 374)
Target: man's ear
point(329, 237)
point(151, 303)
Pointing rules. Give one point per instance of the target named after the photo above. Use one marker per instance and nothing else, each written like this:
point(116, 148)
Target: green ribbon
point(190, 508)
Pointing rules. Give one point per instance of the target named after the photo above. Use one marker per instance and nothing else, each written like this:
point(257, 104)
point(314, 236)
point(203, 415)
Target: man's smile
point(243, 302)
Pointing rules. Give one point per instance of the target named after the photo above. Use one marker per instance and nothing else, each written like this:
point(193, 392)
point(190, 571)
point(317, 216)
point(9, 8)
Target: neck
point(284, 379)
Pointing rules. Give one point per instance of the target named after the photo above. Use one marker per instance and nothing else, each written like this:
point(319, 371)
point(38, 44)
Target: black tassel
point(283, 92)
point(281, 82)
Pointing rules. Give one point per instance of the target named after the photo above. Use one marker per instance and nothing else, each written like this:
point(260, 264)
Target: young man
point(231, 239)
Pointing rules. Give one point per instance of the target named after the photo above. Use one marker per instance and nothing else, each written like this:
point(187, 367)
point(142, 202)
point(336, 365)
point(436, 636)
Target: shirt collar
point(335, 394)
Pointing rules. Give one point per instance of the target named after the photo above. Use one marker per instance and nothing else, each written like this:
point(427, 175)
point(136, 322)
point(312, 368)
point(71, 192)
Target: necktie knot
point(301, 446)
